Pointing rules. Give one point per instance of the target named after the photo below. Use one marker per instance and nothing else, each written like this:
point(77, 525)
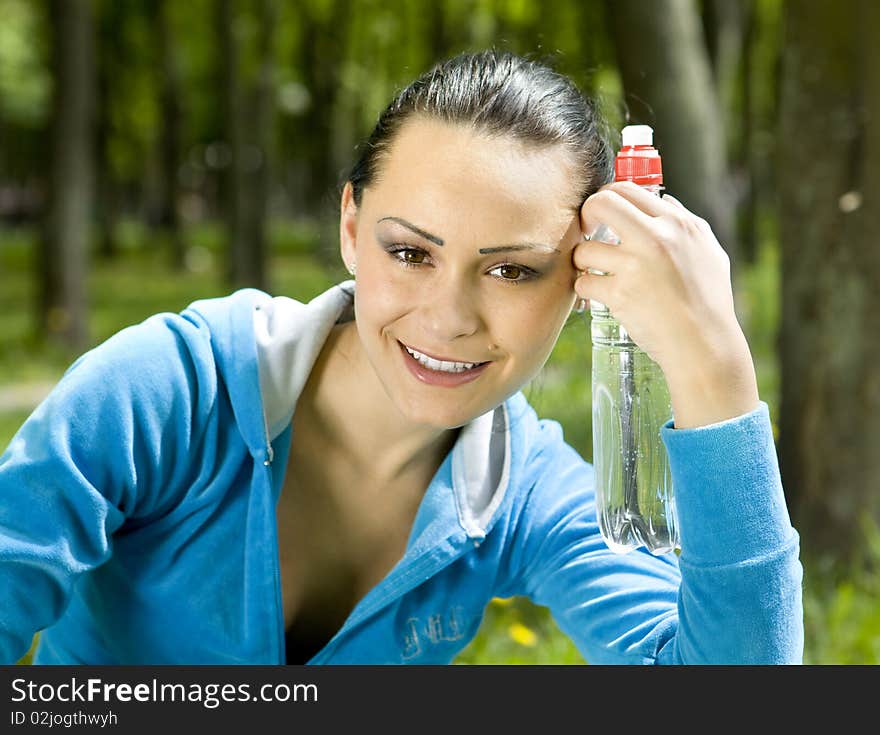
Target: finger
point(600, 256)
point(645, 200)
point(607, 206)
point(672, 200)
point(592, 287)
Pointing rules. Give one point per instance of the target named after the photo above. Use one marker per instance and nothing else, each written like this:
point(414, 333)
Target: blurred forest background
point(157, 152)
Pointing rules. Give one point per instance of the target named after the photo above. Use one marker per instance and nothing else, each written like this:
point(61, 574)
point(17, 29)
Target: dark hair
point(498, 93)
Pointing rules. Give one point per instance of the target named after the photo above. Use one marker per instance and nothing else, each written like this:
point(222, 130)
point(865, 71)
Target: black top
point(301, 646)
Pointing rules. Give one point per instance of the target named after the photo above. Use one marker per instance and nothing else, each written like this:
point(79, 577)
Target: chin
point(443, 415)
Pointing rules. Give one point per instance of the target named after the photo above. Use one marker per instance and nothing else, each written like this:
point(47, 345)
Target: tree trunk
point(258, 172)
point(324, 40)
point(169, 137)
point(247, 183)
point(109, 55)
point(668, 84)
point(829, 156)
point(64, 251)
point(725, 24)
point(325, 37)
point(106, 190)
point(729, 31)
point(232, 184)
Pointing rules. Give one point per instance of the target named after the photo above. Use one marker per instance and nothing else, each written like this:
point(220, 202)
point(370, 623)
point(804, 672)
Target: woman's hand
point(669, 285)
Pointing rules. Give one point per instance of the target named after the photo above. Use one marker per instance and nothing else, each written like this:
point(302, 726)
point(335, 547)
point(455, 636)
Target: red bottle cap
point(638, 161)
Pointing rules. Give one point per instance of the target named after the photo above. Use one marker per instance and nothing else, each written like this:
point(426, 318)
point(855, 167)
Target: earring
point(351, 267)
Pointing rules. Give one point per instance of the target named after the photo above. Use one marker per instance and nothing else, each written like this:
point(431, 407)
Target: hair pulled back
point(498, 93)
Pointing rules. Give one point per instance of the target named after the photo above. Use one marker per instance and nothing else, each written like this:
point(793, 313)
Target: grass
point(842, 618)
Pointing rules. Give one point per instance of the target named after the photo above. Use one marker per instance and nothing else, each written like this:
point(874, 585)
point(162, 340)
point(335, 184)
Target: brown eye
point(413, 256)
point(510, 272)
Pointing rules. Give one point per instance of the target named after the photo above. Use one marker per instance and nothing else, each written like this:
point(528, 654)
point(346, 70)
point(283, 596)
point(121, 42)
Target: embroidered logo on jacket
point(436, 629)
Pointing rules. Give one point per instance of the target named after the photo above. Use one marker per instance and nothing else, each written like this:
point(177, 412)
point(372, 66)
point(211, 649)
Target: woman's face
point(463, 249)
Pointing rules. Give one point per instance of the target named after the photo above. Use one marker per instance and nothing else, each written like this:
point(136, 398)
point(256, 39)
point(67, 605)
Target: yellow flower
point(502, 601)
point(522, 635)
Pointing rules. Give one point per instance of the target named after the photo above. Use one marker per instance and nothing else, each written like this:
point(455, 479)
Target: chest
point(339, 535)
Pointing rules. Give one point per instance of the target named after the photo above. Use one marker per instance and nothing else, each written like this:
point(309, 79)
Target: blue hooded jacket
point(137, 518)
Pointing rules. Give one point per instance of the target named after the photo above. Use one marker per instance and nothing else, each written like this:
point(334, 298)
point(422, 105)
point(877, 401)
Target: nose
point(451, 310)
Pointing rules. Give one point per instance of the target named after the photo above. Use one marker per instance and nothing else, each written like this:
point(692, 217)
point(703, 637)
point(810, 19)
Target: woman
point(351, 480)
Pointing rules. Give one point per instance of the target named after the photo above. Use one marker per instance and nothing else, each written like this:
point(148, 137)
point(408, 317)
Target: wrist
point(716, 384)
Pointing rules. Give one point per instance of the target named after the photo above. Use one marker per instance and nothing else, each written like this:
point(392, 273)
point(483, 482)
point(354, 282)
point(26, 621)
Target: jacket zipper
point(270, 453)
point(276, 573)
point(279, 612)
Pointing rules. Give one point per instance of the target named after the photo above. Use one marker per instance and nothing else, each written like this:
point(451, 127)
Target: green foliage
point(131, 288)
point(842, 617)
point(843, 621)
point(562, 390)
point(757, 305)
point(21, 358)
point(515, 631)
point(335, 68)
point(25, 84)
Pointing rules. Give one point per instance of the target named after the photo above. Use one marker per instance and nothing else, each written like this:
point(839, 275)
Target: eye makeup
point(397, 250)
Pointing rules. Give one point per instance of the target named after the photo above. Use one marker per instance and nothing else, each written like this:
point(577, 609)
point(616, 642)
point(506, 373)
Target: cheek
point(552, 303)
point(529, 327)
point(382, 296)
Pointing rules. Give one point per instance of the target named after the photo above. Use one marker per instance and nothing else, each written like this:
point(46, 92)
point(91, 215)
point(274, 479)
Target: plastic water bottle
point(634, 499)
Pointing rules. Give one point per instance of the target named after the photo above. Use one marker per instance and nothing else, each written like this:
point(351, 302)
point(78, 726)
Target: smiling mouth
point(442, 365)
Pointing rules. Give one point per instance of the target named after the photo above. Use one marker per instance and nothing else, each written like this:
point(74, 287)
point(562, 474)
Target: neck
point(348, 406)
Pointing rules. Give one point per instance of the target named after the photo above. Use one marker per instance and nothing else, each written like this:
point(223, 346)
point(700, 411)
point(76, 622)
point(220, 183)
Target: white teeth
point(442, 365)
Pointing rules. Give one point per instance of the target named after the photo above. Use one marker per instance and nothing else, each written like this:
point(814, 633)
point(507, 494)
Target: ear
point(348, 215)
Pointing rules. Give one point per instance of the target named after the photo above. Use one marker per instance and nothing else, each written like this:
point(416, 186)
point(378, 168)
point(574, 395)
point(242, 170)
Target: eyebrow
point(483, 251)
point(418, 230)
point(520, 246)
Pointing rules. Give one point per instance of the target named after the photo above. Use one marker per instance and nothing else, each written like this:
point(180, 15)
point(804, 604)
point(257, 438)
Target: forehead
point(433, 165)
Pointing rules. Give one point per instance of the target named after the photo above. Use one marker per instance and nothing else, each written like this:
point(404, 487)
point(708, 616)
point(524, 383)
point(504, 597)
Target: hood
point(289, 336)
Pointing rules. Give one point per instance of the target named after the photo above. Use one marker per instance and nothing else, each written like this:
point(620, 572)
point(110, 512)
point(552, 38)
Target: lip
point(437, 377)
